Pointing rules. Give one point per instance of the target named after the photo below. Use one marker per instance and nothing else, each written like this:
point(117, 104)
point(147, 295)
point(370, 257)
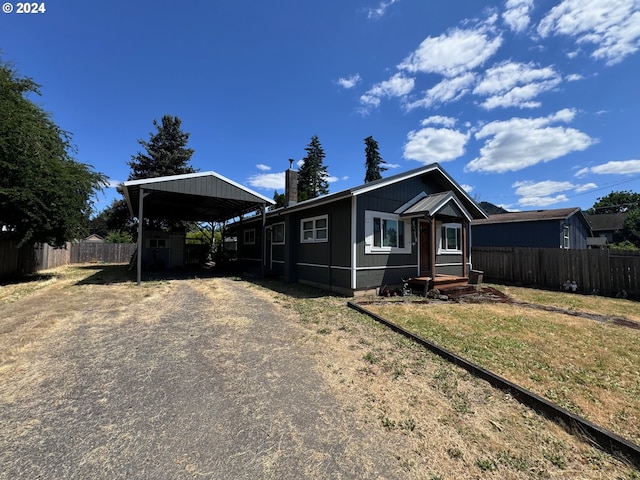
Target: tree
point(373, 160)
point(312, 176)
point(279, 198)
point(615, 202)
point(46, 196)
point(167, 152)
point(631, 227)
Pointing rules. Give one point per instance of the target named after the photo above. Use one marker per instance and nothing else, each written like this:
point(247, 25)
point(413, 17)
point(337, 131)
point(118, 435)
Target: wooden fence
point(16, 262)
point(606, 272)
point(89, 252)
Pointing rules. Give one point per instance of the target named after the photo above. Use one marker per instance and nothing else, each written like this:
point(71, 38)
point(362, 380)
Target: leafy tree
point(312, 176)
point(166, 152)
point(118, 236)
point(373, 160)
point(45, 194)
point(631, 227)
point(615, 202)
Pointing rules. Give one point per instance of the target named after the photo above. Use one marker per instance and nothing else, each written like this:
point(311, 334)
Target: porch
point(439, 281)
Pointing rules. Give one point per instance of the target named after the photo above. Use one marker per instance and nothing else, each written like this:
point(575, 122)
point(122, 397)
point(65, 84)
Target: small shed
point(199, 197)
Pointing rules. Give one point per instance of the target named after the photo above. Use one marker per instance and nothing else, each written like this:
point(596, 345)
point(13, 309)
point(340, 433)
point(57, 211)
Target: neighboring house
point(565, 228)
point(606, 228)
point(93, 238)
point(414, 224)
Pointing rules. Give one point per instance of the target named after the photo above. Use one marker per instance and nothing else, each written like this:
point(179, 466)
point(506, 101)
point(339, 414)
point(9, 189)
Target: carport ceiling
point(200, 197)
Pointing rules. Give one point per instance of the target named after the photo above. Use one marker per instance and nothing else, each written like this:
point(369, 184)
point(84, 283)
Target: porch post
point(434, 247)
point(264, 240)
point(140, 214)
point(464, 247)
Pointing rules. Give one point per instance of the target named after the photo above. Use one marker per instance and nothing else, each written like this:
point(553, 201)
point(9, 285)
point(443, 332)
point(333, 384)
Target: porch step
point(441, 282)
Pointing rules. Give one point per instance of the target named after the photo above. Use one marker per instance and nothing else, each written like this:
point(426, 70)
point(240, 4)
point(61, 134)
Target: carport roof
point(202, 196)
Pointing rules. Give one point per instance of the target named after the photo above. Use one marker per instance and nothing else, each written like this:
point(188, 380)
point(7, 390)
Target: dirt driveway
point(180, 379)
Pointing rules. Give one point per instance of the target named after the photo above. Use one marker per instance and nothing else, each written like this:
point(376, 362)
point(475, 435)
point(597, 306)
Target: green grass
point(587, 367)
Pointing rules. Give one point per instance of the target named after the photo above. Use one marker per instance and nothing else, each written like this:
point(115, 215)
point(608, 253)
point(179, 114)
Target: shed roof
point(607, 221)
point(529, 216)
point(202, 196)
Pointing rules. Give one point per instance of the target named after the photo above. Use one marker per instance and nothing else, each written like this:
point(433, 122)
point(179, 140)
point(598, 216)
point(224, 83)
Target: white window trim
point(441, 249)
point(370, 248)
point(250, 241)
point(283, 234)
point(566, 238)
point(314, 230)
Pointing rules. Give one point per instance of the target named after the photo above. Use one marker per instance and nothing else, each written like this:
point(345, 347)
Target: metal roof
point(432, 204)
point(202, 196)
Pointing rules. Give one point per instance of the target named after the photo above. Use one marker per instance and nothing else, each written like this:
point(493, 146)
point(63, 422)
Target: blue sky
point(527, 104)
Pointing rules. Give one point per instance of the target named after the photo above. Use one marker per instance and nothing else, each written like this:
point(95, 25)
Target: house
point(606, 228)
point(414, 224)
point(565, 228)
point(93, 238)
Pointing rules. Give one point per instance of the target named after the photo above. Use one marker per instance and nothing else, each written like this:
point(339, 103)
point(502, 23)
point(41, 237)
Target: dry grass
point(588, 367)
point(444, 422)
point(440, 421)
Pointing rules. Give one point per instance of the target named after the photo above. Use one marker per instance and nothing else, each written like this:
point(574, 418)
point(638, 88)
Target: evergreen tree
point(312, 176)
point(279, 198)
point(166, 152)
point(373, 160)
point(45, 194)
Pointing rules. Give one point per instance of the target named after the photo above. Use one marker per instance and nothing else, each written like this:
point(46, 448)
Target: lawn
point(588, 367)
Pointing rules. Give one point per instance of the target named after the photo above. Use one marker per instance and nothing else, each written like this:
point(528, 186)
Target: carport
point(197, 197)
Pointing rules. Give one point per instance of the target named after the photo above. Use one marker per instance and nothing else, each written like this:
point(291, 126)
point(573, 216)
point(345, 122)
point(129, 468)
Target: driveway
point(170, 380)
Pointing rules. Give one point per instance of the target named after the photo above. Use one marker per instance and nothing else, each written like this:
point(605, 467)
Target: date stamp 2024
point(28, 8)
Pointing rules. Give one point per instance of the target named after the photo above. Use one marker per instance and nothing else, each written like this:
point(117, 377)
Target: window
point(385, 233)
point(157, 243)
point(314, 229)
point(565, 237)
point(451, 238)
point(250, 236)
point(277, 234)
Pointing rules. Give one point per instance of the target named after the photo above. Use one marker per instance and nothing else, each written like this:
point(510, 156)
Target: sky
point(527, 104)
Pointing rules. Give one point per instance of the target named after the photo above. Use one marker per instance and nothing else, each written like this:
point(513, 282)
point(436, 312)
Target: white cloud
point(350, 81)
point(467, 188)
point(263, 167)
point(512, 84)
point(448, 90)
point(331, 179)
point(439, 120)
point(381, 9)
point(621, 167)
point(547, 192)
point(573, 77)
point(430, 145)
point(454, 53)
point(523, 142)
point(114, 183)
point(611, 26)
point(516, 14)
point(267, 181)
point(396, 86)
point(390, 166)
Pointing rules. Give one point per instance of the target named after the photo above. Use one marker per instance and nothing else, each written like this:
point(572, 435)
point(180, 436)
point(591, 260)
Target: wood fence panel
point(594, 271)
point(88, 252)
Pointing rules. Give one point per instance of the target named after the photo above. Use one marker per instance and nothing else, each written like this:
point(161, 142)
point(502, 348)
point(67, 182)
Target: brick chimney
point(290, 186)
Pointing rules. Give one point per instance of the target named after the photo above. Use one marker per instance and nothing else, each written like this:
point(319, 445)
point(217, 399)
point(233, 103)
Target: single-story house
point(414, 224)
point(606, 228)
point(565, 228)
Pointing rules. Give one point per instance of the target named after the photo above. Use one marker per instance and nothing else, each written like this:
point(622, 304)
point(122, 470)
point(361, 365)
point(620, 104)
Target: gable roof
point(434, 169)
point(531, 216)
point(201, 196)
point(424, 204)
point(607, 221)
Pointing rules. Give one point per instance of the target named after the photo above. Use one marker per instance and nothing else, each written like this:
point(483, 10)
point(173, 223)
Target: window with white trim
point(566, 244)
point(277, 234)
point(386, 233)
point(451, 238)
point(249, 236)
point(315, 229)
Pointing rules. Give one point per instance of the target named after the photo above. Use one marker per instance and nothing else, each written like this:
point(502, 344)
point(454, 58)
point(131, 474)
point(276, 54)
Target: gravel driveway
point(180, 379)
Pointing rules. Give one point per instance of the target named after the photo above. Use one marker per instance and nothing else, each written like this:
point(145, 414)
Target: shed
point(202, 196)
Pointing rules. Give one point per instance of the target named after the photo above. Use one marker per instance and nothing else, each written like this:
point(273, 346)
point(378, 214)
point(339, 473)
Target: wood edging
point(572, 423)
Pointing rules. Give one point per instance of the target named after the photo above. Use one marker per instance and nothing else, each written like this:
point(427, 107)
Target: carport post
point(140, 214)
point(264, 238)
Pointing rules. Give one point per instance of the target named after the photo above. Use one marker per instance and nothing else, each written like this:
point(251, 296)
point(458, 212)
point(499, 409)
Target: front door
point(425, 248)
